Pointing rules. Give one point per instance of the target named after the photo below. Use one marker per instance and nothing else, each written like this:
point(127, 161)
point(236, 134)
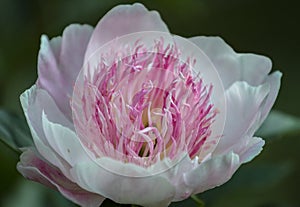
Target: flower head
point(129, 112)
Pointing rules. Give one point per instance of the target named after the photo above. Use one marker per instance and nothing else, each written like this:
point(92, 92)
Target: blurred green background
point(259, 26)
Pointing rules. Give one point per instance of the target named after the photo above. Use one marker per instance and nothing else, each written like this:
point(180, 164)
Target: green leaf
point(279, 124)
point(251, 180)
point(26, 194)
point(14, 131)
point(30, 194)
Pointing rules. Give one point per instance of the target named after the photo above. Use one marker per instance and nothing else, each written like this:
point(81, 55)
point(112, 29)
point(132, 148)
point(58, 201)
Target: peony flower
point(129, 112)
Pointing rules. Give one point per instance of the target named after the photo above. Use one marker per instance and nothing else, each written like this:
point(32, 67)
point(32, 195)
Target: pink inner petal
point(143, 107)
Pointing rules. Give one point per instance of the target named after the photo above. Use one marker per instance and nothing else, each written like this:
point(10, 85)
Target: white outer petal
point(254, 68)
point(234, 66)
point(122, 20)
point(150, 190)
point(64, 142)
point(243, 105)
point(211, 173)
point(34, 101)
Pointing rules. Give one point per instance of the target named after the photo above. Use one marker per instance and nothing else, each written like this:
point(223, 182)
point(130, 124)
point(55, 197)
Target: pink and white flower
point(129, 112)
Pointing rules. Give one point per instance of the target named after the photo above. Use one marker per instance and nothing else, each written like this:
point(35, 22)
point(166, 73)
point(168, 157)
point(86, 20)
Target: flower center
point(143, 107)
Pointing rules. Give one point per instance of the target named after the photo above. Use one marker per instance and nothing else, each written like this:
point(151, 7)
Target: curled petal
point(32, 101)
point(274, 81)
point(253, 147)
point(64, 142)
point(36, 169)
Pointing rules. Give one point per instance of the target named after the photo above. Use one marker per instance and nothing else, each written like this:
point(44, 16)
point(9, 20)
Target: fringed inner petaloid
point(144, 107)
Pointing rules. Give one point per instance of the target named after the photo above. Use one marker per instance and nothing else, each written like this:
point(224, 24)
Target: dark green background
point(259, 26)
